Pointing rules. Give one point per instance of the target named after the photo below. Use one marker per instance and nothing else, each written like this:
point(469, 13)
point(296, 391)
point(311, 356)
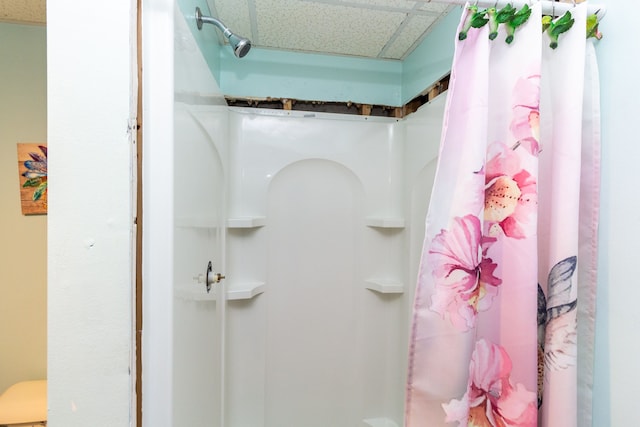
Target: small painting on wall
point(32, 167)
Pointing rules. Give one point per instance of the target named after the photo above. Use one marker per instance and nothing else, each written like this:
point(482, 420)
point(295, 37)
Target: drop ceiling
point(383, 29)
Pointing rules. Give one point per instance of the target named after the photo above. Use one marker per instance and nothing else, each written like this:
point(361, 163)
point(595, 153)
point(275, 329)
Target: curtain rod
point(548, 7)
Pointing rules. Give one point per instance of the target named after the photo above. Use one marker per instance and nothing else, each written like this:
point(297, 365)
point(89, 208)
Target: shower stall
point(292, 241)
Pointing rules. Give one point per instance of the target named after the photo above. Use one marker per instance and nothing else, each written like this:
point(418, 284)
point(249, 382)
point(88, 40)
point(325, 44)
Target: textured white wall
point(90, 81)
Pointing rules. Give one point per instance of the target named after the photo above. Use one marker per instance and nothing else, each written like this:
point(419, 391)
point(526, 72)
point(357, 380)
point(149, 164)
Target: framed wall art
point(32, 167)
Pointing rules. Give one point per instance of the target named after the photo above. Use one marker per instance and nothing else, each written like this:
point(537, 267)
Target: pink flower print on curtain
point(525, 124)
point(505, 210)
point(510, 195)
point(464, 275)
point(491, 400)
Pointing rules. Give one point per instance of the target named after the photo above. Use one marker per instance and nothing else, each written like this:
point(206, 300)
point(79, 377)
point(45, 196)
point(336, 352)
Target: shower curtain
point(503, 321)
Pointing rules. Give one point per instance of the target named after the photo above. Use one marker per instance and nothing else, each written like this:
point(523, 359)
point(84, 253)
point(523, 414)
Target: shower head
point(239, 44)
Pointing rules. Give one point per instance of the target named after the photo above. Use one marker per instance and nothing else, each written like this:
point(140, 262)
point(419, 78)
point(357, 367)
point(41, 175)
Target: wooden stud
point(445, 84)
point(287, 104)
point(365, 109)
point(434, 91)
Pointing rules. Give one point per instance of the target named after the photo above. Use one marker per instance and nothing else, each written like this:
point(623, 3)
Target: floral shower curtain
point(503, 322)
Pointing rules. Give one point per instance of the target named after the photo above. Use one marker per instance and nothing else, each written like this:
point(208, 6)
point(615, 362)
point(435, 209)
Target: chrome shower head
point(240, 45)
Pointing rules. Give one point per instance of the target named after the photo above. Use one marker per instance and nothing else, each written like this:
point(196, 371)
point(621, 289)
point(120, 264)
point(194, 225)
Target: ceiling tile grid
point(412, 33)
point(386, 29)
point(436, 8)
point(235, 15)
point(320, 27)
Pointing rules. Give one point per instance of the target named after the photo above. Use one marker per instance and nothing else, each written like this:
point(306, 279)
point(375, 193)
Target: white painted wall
point(91, 74)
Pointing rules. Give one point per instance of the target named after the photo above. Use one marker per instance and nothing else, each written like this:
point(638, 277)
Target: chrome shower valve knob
point(212, 277)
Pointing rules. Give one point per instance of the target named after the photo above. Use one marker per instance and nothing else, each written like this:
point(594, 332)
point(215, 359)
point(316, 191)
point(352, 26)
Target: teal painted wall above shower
point(209, 41)
point(282, 74)
point(431, 60)
point(269, 73)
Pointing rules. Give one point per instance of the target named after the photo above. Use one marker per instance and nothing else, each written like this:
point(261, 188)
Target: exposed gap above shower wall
point(427, 95)
point(344, 107)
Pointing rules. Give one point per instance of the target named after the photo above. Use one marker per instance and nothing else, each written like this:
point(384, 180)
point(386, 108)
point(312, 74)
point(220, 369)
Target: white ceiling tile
point(437, 8)
point(413, 30)
point(234, 14)
point(328, 28)
point(397, 4)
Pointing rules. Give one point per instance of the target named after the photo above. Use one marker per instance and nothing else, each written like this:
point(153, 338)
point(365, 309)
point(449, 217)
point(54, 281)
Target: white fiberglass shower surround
point(317, 222)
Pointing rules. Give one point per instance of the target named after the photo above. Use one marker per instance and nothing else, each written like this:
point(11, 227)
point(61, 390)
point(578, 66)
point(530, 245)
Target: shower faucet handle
point(212, 277)
point(209, 278)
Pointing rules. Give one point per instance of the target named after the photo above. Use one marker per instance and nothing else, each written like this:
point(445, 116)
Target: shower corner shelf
point(246, 222)
point(243, 291)
point(384, 222)
point(379, 422)
point(383, 286)
point(240, 291)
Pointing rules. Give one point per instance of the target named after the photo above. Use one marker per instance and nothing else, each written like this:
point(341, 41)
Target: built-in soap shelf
point(244, 291)
point(239, 291)
point(246, 222)
point(384, 222)
point(384, 286)
point(379, 422)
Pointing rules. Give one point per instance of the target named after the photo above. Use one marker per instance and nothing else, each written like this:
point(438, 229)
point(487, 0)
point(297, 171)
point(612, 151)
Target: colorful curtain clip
point(555, 28)
point(519, 18)
point(474, 18)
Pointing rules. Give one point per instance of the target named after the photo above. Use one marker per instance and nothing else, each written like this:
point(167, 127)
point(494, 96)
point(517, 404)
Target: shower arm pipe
point(548, 7)
point(201, 19)
point(240, 45)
